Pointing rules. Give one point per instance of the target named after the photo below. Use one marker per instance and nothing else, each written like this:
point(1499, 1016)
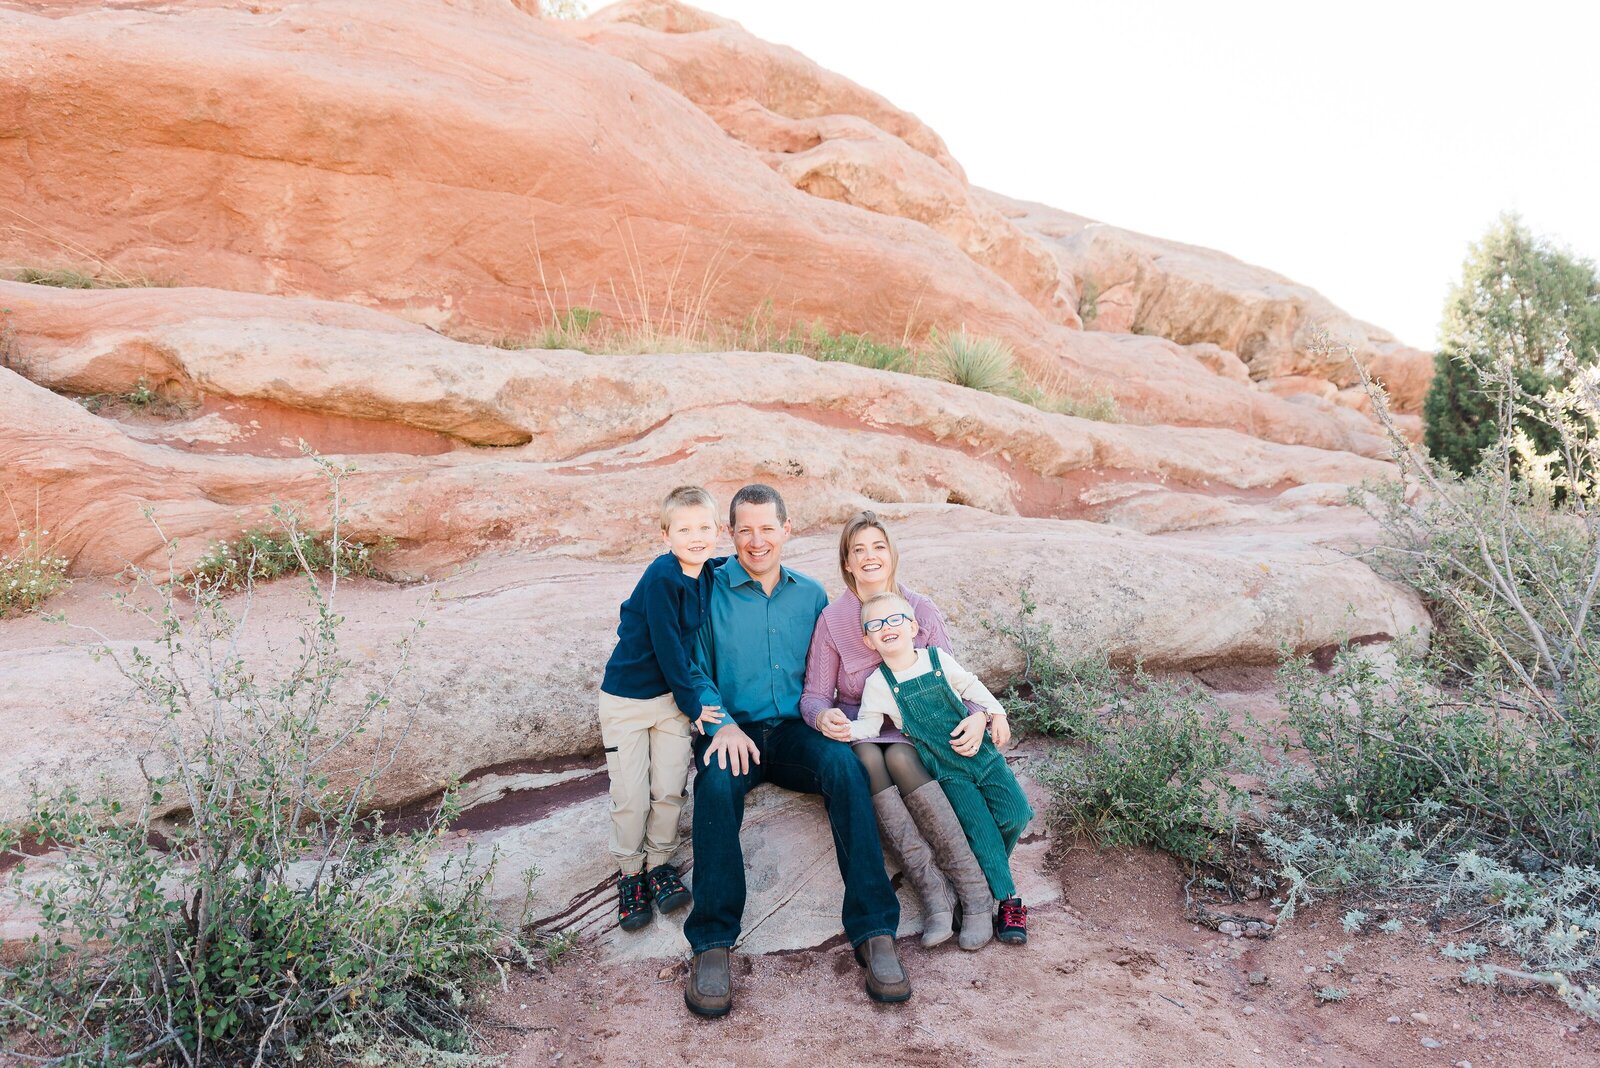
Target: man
point(754, 651)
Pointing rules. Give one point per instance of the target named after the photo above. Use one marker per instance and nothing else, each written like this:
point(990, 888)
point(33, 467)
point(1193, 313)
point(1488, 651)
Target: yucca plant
point(985, 363)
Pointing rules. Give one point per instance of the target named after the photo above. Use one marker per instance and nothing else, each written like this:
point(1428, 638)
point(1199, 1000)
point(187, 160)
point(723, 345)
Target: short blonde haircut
point(855, 525)
point(885, 598)
point(686, 497)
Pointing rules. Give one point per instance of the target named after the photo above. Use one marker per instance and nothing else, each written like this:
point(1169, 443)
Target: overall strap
point(933, 657)
point(894, 687)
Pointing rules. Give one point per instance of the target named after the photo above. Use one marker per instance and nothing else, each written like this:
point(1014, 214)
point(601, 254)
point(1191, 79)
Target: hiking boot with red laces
point(668, 890)
point(633, 902)
point(1012, 924)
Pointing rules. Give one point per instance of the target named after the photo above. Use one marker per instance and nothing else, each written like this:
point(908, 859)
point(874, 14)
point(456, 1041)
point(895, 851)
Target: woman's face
point(870, 561)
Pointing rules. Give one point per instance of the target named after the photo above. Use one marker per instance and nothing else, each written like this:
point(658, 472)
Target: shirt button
point(774, 667)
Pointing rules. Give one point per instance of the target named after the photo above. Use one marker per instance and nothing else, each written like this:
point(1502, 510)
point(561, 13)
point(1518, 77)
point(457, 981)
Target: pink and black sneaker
point(1012, 923)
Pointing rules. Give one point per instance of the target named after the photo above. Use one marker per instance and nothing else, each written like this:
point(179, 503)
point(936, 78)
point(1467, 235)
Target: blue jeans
point(795, 757)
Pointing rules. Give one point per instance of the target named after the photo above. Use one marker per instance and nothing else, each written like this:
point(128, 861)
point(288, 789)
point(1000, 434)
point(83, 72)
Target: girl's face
point(870, 561)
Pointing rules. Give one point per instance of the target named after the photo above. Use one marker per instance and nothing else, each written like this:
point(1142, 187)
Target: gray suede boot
point(906, 844)
point(942, 830)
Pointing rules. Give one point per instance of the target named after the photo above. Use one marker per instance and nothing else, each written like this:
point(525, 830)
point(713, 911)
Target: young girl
point(921, 692)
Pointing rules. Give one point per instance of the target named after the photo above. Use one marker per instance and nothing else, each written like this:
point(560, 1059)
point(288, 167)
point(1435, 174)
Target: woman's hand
point(1000, 731)
point(833, 723)
point(968, 735)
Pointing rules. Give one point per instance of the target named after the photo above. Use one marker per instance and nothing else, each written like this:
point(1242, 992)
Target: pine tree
point(1458, 419)
point(1523, 305)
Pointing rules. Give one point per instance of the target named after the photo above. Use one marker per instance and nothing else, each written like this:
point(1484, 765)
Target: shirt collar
point(738, 576)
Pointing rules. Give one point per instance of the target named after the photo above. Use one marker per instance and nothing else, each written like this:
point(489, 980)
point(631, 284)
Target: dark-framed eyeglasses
point(873, 626)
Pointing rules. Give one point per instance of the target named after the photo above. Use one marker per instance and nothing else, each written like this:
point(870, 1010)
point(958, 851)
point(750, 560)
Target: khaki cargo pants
point(648, 748)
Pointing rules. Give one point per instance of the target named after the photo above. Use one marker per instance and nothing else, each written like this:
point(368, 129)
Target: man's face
point(758, 538)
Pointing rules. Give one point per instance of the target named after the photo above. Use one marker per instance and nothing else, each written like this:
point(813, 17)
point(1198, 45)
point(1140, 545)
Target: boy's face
point(890, 627)
point(758, 538)
point(691, 534)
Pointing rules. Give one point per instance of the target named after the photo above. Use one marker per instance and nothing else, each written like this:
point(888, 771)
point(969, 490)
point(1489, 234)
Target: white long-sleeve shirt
point(878, 703)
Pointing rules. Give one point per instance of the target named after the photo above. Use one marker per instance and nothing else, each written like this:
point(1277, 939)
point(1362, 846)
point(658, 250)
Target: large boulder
point(481, 171)
point(1192, 295)
point(507, 666)
point(466, 447)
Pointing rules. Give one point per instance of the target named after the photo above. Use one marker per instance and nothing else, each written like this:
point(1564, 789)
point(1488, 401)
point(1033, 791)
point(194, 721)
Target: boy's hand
point(708, 714)
point(733, 749)
point(968, 735)
point(833, 723)
point(1000, 731)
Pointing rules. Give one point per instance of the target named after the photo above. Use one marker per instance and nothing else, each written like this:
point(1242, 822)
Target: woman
point(914, 816)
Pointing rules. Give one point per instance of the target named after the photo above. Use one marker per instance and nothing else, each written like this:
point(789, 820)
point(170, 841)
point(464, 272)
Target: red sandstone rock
point(592, 432)
point(475, 169)
point(1192, 294)
point(462, 165)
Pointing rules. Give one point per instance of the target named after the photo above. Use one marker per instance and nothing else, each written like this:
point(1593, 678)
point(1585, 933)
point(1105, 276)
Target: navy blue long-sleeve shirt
point(655, 638)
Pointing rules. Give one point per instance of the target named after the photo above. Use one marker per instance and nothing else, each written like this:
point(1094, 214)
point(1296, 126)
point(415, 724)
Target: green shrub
point(1508, 557)
point(1365, 737)
point(248, 909)
point(1154, 770)
point(854, 348)
point(262, 554)
point(30, 573)
point(1504, 563)
point(578, 329)
point(67, 278)
point(1381, 739)
point(983, 363)
point(1149, 762)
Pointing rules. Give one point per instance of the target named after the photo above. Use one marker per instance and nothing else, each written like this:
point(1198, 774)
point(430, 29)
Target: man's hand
point(1000, 731)
point(968, 735)
point(708, 714)
point(833, 723)
point(733, 749)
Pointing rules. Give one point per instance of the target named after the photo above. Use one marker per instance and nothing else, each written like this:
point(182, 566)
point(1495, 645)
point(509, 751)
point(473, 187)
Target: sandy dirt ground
point(1114, 975)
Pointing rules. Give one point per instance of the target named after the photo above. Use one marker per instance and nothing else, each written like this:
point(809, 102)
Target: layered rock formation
point(1286, 334)
point(336, 183)
point(550, 461)
point(476, 169)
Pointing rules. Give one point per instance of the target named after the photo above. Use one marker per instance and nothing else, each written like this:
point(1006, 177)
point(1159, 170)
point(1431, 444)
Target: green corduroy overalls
point(987, 800)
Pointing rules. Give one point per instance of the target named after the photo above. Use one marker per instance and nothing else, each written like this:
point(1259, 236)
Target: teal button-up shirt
point(753, 648)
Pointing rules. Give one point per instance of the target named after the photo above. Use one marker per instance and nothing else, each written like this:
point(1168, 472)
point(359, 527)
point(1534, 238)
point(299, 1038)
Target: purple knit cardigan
point(839, 662)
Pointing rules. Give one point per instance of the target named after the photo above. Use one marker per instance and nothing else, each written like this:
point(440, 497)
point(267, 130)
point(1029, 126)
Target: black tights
point(895, 764)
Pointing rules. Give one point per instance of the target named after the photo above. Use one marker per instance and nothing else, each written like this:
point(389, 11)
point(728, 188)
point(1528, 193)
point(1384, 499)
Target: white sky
point(1355, 147)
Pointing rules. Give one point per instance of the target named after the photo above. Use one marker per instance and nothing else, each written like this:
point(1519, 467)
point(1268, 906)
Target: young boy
point(921, 691)
point(652, 699)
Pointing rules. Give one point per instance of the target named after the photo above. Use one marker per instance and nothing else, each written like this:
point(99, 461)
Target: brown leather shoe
point(887, 980)
point(709, 990)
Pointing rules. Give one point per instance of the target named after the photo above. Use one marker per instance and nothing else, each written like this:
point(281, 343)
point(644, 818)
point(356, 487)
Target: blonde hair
point(884, 598)
point(686, 497)
point(855, 525)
